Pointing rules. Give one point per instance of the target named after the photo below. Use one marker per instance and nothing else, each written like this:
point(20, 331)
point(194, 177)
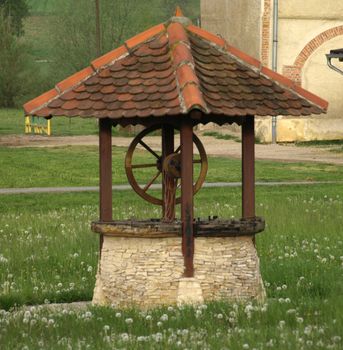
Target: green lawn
point(37, 35)
point(47, 7)
point(78, 166)
point(12, 121)
point(47, 253)
point(335, 146)
point(43, 6)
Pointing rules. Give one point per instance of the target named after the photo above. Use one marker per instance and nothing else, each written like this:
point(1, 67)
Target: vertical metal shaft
point(248, 167)
point(275, 34)
point(98, 32)
point(275, 58)
point(186, 134)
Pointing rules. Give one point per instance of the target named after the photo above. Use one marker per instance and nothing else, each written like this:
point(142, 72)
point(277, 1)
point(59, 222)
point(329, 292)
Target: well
point(169, 79)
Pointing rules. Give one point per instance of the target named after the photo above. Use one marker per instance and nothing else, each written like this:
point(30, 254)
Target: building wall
point(311, 9)
point(307, 30)
point(220, 17)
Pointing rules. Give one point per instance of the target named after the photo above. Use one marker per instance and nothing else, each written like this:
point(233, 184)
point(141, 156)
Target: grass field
point(78, 166)
point(335, 146)
point(44, 7)
point(12, 122)
point(47, 253)
point(47, 7)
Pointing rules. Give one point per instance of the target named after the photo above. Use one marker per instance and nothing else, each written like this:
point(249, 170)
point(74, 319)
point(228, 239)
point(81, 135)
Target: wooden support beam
point(248, 167)
point(105, 156)
point(186, 134)
point(168, 183)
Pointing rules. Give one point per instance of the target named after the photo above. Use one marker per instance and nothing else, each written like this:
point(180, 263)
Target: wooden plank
point(248, 167)
point(186, 135)
point(160, 229)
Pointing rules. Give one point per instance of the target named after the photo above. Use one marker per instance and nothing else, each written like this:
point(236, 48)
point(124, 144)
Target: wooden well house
point(171, 78)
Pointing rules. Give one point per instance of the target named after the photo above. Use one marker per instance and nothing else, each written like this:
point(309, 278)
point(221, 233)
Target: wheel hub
point(172, 165)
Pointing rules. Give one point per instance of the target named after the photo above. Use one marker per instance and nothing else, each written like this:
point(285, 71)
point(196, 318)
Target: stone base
point(148, 272)
point(189, 292)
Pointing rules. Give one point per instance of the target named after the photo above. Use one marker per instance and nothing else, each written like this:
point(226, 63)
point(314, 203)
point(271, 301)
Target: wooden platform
point(158, 229)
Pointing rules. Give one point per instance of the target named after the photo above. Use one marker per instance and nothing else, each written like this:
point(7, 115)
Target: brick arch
point(293, 72)
point(313, 45)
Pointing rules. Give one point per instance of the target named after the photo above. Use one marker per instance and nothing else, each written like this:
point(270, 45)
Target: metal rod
point(139, 166)
point(97, 23)
point(248, 167)
point(336, 69)
point(186, 135)
point(149, 149)
point(275, 58)
point(148, 185)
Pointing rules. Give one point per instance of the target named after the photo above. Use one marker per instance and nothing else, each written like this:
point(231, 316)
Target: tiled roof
point(172, 69)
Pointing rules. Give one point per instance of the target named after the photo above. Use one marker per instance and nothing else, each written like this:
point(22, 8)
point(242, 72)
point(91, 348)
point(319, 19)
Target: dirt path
point(213, 146)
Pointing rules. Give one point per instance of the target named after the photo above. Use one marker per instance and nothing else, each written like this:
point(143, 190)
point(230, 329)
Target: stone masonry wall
point(146, 272)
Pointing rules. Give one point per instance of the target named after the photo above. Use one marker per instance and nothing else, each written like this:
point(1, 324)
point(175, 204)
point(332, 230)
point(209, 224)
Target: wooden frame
point(187, 207)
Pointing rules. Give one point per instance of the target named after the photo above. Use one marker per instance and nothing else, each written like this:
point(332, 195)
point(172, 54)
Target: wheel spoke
point(178, 149)
point(138, 166)
point(149, 149)
point(196, 161)
point(147, 186)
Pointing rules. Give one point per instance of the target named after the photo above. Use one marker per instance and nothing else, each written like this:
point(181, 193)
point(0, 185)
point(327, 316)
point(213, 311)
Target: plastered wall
point(220, 17)
point(299, 23)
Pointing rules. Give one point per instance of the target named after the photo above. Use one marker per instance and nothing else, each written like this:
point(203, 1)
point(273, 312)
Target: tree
point(16, 73)
point(75, 39)
point(17, 10)
point(73, 28)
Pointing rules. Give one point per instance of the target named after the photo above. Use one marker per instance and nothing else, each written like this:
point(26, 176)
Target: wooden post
point(186, 134)
point(105, 147)
point(105, 158)
point(168, 182)
point(248, 167)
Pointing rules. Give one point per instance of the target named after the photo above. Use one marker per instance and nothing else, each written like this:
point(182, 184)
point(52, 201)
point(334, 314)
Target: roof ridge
point(190, 94)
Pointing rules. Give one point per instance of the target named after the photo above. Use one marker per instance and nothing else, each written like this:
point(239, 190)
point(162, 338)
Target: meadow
point(13, 123)
point(48, 254)
point(35, 167)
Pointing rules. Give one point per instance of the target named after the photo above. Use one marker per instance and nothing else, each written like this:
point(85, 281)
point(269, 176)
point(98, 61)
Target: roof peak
point(178, 12)
point(179, 17)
